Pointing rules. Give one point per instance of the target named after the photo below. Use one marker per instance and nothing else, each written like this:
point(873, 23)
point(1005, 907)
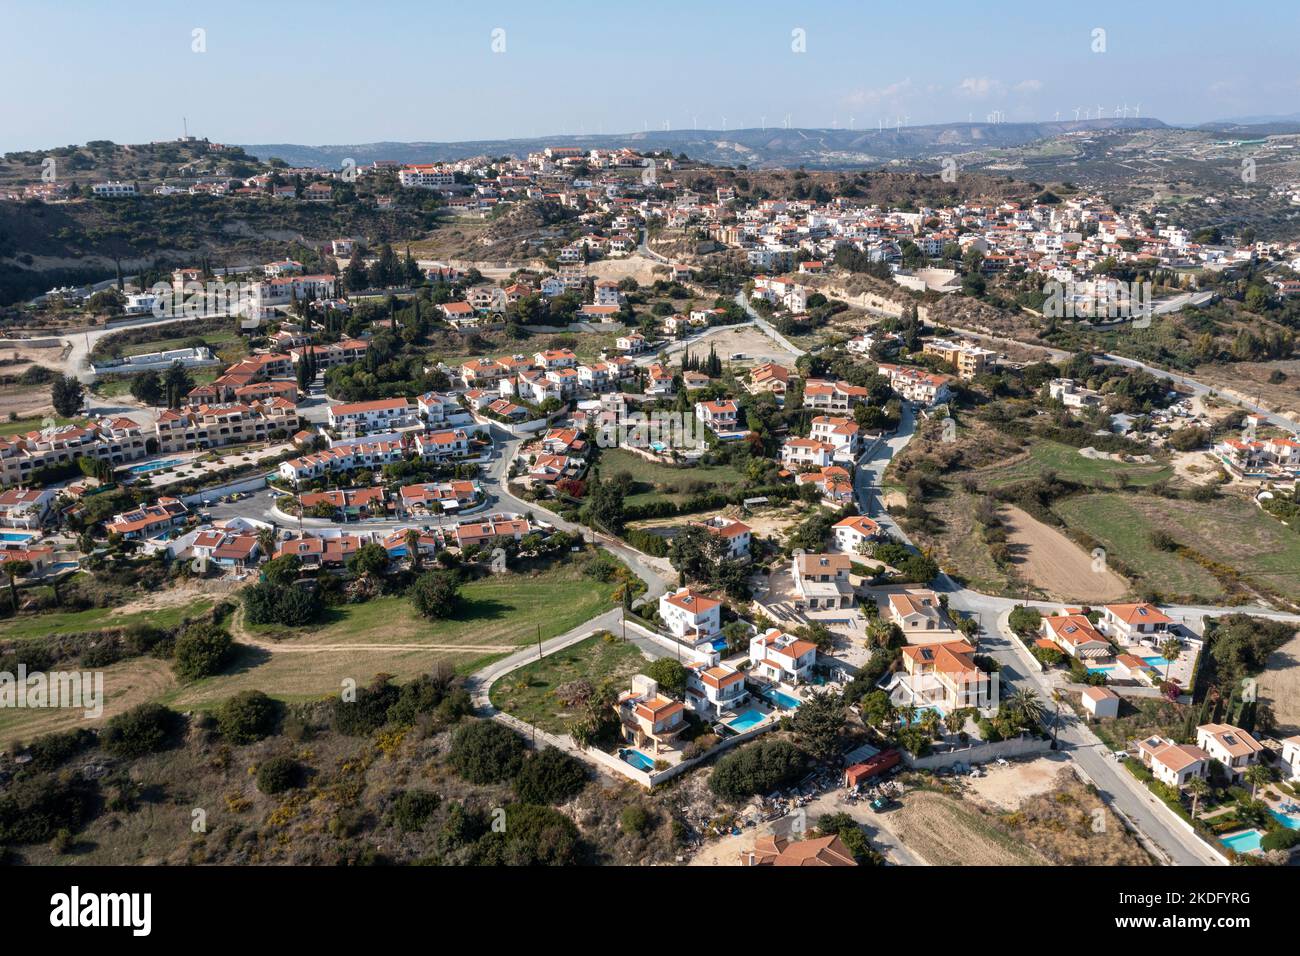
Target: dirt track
point(1051, 561)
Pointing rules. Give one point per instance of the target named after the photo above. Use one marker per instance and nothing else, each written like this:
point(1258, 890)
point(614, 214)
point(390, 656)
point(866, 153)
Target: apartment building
point(968, 360)
point(115, 440)
point(234, 423)
point(382, 414)
point(917, 385)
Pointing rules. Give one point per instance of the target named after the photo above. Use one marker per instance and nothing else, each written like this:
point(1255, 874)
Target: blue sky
point(320, 73)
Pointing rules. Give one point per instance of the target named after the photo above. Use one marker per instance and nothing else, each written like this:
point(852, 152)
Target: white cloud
point(978, 87)
point(1027, 86)
point(879, 96)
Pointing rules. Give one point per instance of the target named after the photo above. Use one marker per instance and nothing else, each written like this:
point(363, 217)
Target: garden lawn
point(655, 481)
point(529, 692)
point(502, 610)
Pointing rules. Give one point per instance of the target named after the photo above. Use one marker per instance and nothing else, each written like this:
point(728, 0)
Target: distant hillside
point(771, 147)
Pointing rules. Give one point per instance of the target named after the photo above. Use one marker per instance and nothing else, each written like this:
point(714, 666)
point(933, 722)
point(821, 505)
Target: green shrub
point(758, 768)
point(411, 809)
point(1280, 840)
point(634, 819)
point(247, 717)
point(483, 751)
point(550, 776)
point(142, 730)
point(202, 650)
point(278, 774)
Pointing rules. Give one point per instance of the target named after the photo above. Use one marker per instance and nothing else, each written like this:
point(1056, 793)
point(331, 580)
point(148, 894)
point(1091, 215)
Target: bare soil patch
point(1006, 788)
point(1279, 686)
point(1051, 561)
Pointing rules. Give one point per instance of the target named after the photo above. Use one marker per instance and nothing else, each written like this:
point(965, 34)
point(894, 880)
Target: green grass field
point(500, 610)
point(656, 481)
point(1230, 530)
point(529, 693)
point(27, 626)
point(217, 341)
point(1071, 466)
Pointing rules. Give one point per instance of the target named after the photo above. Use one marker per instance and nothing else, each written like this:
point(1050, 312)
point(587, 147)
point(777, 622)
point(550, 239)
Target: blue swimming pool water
point(155, 466)
point(637, 759)
point(746, 721)
point(1288, 820)
point(920, 712)
point(1103, 669)
point(17, 535)
point(780, 699)
point(1157, 661)
point(1242, 842)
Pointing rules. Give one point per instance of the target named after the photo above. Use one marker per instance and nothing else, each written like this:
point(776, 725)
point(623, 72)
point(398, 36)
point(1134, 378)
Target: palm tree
point(1257, 775)
point(1171, 649)
point(1026, 705)
point(930, 723)
point(1198, 788)
point(15, 570)
point(954, 721)
point(907, 714)
point(413, 548)
point(266, 542)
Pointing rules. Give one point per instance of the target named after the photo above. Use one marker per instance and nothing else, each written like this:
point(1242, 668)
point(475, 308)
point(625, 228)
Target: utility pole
point(539, 640)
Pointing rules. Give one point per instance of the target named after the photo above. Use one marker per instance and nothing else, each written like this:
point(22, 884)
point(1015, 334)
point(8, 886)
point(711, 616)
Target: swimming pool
point(1243, 841)
point(637, 759)
point(17, 535)
point(780, 699)
point(155, 466)
point(1288, 820)
point(1103, 669)
point(1157, 661)
point(920, 712)
point(746, 721)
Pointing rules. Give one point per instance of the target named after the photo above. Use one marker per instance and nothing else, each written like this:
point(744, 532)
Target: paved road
point(1200, 388)
point(766, 326)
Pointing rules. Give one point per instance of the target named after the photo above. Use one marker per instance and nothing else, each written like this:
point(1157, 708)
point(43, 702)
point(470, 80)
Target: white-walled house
point(920, 617)
point(1129, 623)
point(690, 616)
point(721, 416)
point(737, 534)
point(1171, 763)
point(1291, 757)
point(853, 532)
point(822, 580)
point(1231, 746)
point(711, 691)
point(781, 658)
